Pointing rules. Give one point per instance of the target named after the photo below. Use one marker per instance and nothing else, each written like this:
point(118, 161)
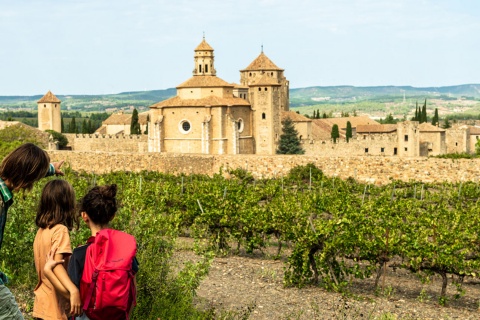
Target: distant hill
point(317, 95)
point(299, 97)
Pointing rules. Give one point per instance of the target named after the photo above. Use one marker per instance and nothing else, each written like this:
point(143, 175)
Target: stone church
point(211, 116)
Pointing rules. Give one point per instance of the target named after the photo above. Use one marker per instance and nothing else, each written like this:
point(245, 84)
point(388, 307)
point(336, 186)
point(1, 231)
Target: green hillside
point(375, 101)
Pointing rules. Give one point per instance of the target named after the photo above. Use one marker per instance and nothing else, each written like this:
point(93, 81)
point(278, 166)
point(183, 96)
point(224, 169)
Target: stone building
point(211, 116)
point(119, 123)
point(49, 116)
point(432, 140)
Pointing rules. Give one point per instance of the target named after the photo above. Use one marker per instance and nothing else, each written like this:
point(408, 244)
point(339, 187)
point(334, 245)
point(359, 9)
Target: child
point(97, 209)
point(20, 169)
point(55, 217)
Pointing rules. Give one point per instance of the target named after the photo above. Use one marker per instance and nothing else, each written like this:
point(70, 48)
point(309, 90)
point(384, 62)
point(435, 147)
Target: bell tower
point(204, 60)
point(49, 116)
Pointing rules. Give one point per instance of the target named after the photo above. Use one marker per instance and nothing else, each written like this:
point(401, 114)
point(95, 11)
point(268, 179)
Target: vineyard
point(335, 230)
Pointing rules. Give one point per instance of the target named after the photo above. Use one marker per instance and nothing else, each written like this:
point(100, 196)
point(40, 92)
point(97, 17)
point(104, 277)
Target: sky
point(104, 47)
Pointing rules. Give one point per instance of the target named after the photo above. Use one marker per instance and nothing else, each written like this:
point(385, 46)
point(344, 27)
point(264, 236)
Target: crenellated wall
point(108, 143)
point(372, 169)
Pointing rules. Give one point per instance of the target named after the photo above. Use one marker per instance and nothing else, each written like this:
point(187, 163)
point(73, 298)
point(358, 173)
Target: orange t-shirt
point(48, 304)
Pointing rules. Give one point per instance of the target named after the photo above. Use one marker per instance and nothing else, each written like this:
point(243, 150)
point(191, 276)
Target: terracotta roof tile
point(262, 62)
point(295, 117)
point(49, 97)
point(203, 46)
point(204, 81)
point(125, 118)
point(354, 121)
point(427, 127)
point(320, 130)
point(376, 128)
point(208, 101)
point(474, 130)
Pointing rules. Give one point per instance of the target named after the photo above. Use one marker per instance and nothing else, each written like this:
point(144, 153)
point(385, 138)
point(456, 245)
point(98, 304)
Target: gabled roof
point(376, 128)
point(262, 62)
point(321, 130)
point(204, 81)
point(204, 46)
point(49, 97)
point(427, 127)
point(295, 117)
point(213, 101)
point(125, 118)
point(265, 80)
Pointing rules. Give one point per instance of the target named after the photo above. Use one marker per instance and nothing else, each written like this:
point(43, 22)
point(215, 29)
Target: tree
point(388, 119)
point(134, 125)
point(348, 134)
point(84, 127)
point(57, 136)
point(324, 116)
point(446, 124)
point(435, 118)
point(289, 140)
point(72, 127)
point(335, 134)
point(423, 116)
point(416, 118)
point(62, 127)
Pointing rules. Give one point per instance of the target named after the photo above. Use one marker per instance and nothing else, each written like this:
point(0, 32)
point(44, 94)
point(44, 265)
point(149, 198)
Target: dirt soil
point(253, 285)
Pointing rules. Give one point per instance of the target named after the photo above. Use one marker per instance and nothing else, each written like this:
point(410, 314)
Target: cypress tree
point(289, 140)
point(134, 125)
point(435, 117)
point(62, 127)
point(335, 134)
point(72, 128)
point(84, 126)
point(349, 131)
point(423, 117)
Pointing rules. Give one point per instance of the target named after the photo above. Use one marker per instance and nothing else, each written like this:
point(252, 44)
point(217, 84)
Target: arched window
point(264, 116)
point(259, 89)
point(240, 125)
point(265, 89)
point(206, 68)
point(200, 68)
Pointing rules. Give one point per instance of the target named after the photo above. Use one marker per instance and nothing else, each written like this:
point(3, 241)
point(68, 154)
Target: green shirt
point(6, 200)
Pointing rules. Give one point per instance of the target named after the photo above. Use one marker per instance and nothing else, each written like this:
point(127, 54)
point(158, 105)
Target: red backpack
point(107, 287)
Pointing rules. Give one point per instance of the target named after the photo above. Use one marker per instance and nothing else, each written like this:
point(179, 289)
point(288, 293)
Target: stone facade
point(108, 142)
point(49, 115)
point(211, 116)
point(370, 169)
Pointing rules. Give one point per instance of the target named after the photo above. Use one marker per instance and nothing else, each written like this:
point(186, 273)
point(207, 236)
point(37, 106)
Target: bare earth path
point(237, 283)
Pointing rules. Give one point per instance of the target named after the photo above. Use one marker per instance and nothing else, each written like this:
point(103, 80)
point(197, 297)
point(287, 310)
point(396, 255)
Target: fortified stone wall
point(371, 169)
point(108, 143)
point(363, 145)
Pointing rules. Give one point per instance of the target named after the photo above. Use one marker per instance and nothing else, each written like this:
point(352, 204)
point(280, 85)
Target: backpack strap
point(91, 288)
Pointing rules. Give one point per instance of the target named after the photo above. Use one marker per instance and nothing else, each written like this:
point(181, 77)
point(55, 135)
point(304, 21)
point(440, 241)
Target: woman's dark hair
point(24, 166)
point(100, 204)
point(57, 205)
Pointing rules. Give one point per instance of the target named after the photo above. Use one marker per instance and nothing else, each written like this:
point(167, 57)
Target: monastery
point(212, 116)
